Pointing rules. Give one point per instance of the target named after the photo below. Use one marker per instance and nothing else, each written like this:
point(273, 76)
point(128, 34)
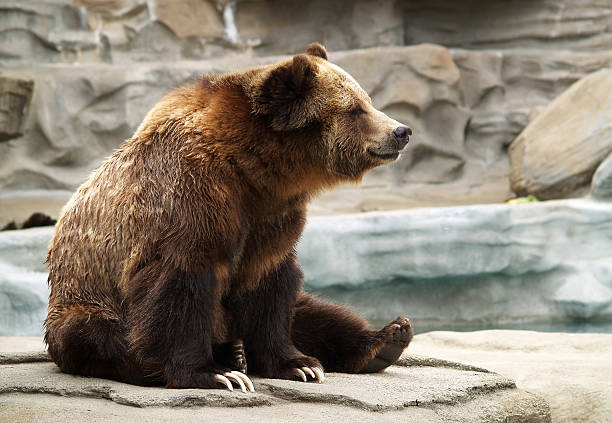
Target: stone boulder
point(339, 25)
point(558, 152)
point(601, 187)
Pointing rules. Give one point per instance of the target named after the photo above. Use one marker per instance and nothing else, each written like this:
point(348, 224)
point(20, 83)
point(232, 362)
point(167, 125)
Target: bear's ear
point(286, 96)
point(316, 49)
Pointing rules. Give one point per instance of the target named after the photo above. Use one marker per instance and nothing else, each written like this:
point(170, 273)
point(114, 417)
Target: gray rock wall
point(97, 67)
point(465, 107)
point(482, 24)
point(66, 31)
point(15, 96)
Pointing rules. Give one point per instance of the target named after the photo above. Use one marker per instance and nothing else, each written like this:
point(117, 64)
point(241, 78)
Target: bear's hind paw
point(398, 335)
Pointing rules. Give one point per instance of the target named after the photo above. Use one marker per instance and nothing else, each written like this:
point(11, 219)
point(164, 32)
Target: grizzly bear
point(175, 262)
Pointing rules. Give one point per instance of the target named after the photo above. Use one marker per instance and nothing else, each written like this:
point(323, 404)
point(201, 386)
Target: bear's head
point(347, 135)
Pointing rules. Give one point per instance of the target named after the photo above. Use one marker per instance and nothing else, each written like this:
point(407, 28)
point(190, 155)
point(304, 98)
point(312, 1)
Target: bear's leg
point(171, 318)
point(92, 341)
point(342, 340)
point(264, 324)
point(231, 355)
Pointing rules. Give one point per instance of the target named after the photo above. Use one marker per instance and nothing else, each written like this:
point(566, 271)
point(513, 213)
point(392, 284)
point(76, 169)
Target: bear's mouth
point(384, 156)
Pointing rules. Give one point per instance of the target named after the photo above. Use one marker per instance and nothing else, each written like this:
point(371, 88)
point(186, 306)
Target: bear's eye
point(357, 111)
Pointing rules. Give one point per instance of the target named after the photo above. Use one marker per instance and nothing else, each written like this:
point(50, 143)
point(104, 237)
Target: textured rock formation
point(46, 32)
point(419, 390)
point(466, 108)
point(91, 30)
point(15, 96)
point(340, 25)
point(557, 154)
point(190, 18)
point(80, 114)
point(548, 24)
point(17, 206)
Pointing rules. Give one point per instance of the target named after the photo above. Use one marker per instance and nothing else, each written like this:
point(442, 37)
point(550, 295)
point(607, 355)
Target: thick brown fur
point(182, 242)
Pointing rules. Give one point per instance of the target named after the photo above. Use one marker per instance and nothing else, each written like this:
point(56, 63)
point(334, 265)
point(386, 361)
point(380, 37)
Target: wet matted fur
point(175, 260)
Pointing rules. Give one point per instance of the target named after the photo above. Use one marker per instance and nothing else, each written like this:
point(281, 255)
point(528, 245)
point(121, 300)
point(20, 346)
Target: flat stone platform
point(419, 389)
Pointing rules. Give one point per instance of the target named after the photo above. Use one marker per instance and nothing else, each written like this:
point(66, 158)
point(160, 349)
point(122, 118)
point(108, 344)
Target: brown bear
point(175, 263)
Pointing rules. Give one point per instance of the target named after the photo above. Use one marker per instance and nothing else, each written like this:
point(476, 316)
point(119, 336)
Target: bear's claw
point(239, 378)
point(308, 372)
point(314, 372)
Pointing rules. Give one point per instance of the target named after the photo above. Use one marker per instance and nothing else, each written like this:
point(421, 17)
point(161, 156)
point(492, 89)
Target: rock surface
point(465, 107)
point(524, 24)
point(122, 31)
point(340, 25)
point(82, 113)
point(571, 371)
point(557, 154)
point(487, 264)
point(419, 390)
point(112, 60)
point(190, 18)
point(15, 96)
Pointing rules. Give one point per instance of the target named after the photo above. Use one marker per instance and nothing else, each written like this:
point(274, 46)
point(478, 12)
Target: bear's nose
point(401, 134)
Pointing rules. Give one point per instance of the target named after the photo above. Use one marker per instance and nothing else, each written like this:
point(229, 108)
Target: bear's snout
point(401, 135)
point(389, 148)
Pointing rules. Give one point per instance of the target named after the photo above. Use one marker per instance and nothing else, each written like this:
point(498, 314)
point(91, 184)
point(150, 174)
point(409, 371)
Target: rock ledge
point(418, 389)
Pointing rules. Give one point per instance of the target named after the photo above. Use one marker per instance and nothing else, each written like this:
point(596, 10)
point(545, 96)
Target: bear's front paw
point(216, 379)
point(303, 368)
point(236, 377)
